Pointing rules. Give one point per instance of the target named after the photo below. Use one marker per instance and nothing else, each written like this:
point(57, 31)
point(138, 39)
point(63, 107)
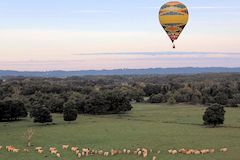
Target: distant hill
point(149, 71)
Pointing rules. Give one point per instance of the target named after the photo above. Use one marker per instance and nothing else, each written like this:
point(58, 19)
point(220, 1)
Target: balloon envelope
point(173, 17)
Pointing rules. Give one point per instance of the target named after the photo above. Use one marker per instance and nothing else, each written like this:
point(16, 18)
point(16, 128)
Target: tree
point(221, 98)
point(151, 89)
point(157, 98)
point(116, 101)
point(196, 97)
point(28, 135)
point(133, 94)
point(184, 94)
point(12, 110)
point(79, 101)
point(1, 111)
point(232, 103)
point(171, 100)
point(41, 114)
point(70, 113)
point(55, 103)
point(235, 101)
point(107, 102)
point(214, 115)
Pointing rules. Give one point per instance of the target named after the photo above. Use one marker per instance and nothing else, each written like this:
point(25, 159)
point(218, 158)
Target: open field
point(157, 127)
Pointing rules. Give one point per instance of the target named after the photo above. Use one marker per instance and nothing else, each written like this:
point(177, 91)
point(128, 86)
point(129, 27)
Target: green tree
point(214, 115)
point(107, 102)
point(157, 98)
point(79, 101)
point(70, 112)
point(41, 114)
point(134, 94)
point(171, 100)
point(221, 98)
point(12, 110)
point(151, 89)
point(196, 97)
point(236, 98)
point(55, 103)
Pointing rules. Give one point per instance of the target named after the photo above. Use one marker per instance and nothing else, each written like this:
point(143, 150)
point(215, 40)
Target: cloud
point(167, 54)
point(198, 7)
point(92, 11)
point(214, 7)
point(149, 7)
point(129, 61)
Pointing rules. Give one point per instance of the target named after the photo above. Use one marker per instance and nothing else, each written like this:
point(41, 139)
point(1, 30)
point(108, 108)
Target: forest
point(113, 94)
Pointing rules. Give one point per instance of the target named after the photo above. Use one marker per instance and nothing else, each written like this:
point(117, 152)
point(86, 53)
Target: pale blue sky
point(59, 31)
point(113, 15)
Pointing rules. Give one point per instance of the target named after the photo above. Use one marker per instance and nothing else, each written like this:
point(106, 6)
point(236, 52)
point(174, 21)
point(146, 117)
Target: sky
point(109, 34)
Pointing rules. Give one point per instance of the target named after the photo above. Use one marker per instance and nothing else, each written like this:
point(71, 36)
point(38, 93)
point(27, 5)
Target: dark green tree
point(221, 98)
point(133, 94)
point(214, 115)
point(12, 110)
point(236, 100)
point(157, 98)
point(196, 97)
point(70, 112)
point(2, 114)
point(107, 102)
point(41, 114)
point(55, 103)
point(151, 89)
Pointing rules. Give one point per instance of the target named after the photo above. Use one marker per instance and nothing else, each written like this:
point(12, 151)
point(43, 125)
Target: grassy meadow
point(157, 127)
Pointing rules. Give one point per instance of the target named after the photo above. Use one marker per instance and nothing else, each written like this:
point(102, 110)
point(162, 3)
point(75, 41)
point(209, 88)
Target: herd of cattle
point(84, 152)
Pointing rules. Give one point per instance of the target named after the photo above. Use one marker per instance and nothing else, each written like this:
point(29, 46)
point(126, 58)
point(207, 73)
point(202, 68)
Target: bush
point(214, 115)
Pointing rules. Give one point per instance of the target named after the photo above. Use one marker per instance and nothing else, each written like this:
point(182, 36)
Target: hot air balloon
point(173, 17)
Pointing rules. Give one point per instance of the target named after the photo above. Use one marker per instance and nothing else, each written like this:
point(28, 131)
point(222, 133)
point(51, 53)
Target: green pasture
point(156, 127)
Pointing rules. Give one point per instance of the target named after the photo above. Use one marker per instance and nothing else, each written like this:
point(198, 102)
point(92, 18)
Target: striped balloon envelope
point(173, 17)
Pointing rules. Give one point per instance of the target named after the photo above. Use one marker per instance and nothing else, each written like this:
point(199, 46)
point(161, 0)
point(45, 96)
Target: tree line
point(111, 94)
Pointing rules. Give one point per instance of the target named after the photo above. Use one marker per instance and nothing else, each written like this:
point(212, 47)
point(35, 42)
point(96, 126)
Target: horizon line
point(114, 69)
point(152, 53)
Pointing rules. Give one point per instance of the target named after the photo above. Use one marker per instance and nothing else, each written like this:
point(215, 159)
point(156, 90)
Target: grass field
point(159, 127)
